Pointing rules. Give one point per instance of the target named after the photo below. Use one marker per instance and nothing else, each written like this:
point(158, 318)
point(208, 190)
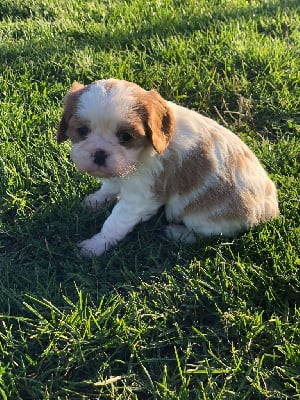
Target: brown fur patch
point(72, 131)
point(159, 121)
point(228, 199)
point(135, 129)
point(70, 103)
point(223, 197)
point(182, 177)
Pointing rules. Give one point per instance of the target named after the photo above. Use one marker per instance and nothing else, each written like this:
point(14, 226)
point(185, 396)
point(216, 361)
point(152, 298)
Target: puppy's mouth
point(118, 171)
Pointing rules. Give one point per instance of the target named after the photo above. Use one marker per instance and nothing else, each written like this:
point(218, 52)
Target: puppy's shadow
point(44, 247)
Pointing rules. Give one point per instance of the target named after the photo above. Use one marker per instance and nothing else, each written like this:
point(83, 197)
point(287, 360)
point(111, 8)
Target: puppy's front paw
point(91, 247)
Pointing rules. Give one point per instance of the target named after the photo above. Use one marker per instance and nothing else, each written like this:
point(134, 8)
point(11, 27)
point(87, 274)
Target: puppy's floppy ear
point(69, 104)
point(160, 121)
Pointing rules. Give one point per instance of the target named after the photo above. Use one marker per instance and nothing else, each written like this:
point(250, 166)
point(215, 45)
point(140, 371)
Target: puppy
point(150, 152)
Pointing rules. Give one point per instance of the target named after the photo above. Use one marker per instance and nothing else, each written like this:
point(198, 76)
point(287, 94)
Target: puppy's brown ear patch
point(69, 106)
point(160, 121)
point(75, 87)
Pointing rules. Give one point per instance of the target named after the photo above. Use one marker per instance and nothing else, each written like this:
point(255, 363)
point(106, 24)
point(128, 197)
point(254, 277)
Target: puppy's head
point(113, 125)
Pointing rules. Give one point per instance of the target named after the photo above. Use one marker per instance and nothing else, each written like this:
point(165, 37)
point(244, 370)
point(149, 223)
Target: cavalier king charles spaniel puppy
point(149, 152)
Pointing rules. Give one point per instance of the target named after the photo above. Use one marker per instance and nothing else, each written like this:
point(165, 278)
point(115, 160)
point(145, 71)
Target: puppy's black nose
point(100, 157)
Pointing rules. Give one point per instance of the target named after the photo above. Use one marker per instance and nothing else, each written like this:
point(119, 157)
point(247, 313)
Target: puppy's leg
point(180, 233)
point(109, 191)
point(124, 217)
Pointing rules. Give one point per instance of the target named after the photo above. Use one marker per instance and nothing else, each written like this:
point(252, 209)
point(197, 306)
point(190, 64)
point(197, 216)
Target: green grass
point(150, 319)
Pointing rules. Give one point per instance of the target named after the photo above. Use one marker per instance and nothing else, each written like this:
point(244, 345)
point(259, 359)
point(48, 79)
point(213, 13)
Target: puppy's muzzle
point(100, 158)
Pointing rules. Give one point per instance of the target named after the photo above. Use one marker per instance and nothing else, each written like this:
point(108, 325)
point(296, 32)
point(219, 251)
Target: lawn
point(150, 319)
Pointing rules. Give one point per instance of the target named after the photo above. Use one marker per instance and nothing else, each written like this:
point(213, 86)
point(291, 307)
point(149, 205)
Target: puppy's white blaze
point(102, 103)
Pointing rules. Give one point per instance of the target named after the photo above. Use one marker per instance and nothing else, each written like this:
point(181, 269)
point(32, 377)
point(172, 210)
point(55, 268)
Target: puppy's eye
point(83, 131)
point(125, 137)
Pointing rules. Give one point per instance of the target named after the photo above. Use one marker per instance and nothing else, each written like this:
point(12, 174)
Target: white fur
point(105, 105)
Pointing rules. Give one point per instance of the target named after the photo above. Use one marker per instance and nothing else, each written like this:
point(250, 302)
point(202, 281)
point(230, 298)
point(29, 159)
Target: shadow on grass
point(44, 246)
point(121, 39)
